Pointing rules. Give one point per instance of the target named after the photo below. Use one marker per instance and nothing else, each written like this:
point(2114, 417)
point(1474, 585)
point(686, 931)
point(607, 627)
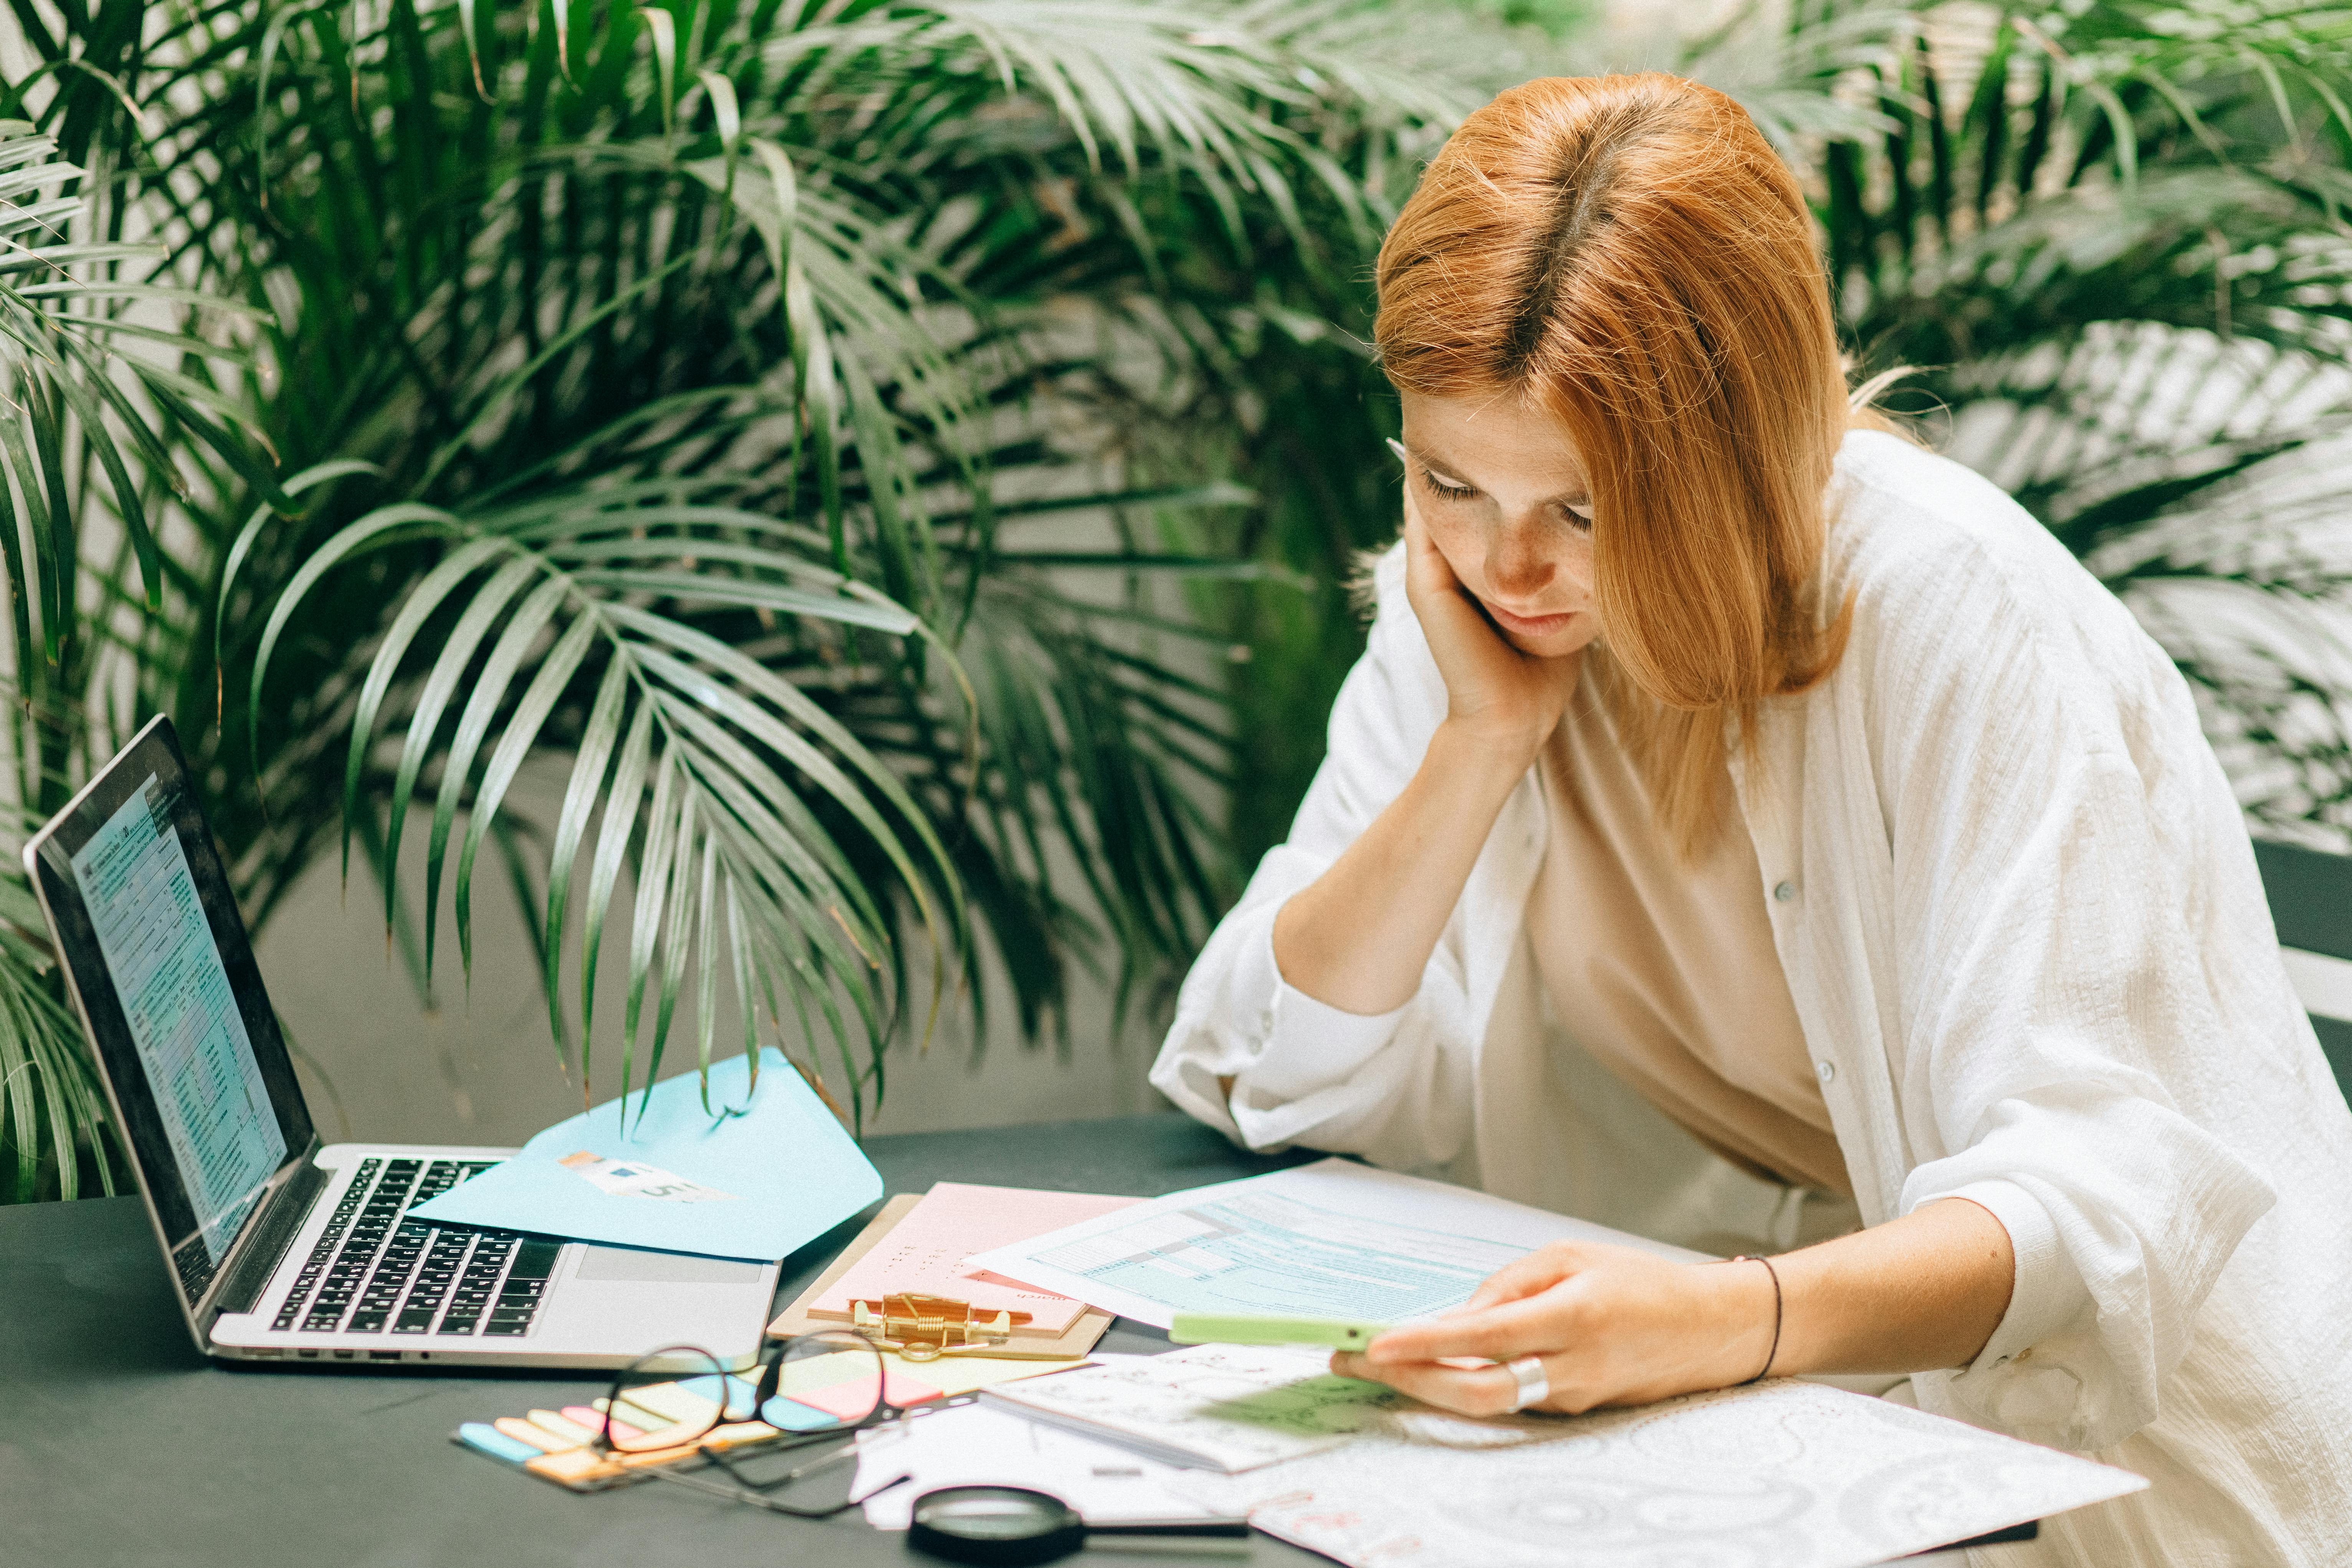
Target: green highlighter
point(1272, 1329)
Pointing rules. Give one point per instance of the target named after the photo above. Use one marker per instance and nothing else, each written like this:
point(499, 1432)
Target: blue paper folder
point(795, 1171)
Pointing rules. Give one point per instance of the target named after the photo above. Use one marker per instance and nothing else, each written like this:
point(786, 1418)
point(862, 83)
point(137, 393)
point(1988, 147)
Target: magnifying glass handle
point(1197, 1537)
point(1234, 1546)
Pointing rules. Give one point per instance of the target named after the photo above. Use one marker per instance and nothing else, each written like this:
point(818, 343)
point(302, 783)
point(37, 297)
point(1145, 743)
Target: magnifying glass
point(1005, 1525)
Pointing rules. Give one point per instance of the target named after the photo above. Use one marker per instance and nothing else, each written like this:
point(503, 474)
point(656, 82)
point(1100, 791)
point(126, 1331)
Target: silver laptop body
point(281, 1249)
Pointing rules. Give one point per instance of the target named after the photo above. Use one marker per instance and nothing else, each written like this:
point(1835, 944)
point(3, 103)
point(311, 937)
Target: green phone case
point(1272, 1329)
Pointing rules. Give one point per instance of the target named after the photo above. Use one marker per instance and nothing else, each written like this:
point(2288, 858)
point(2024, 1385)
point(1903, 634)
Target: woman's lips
point(1529, 625)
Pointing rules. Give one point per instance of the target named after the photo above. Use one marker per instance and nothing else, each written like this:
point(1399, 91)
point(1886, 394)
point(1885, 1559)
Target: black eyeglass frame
point(745, 1488)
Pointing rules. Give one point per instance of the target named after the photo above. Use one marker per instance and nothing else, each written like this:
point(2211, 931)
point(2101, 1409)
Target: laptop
point(281, 1249)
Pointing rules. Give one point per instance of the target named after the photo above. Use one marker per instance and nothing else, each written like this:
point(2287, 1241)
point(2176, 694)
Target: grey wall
point(478, 1067)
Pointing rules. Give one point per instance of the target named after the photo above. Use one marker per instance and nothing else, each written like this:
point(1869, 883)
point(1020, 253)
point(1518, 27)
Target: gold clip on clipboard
point(925, 1328)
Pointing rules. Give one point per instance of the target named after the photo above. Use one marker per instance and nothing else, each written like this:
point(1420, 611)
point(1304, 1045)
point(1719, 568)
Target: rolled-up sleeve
point(1309, 1044)
point(1272, 1044)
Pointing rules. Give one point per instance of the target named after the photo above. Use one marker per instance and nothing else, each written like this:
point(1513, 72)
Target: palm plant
point(72, 441)
point(896, 465)
point(727, 405)
point(2112, 239)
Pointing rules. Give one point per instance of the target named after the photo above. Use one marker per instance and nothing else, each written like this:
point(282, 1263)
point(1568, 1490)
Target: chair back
point(2310, 903)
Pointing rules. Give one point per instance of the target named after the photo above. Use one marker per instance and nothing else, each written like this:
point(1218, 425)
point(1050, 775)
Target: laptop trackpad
point(635, 1263)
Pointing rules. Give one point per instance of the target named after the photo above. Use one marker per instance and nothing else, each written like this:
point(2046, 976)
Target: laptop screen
point(146, 924)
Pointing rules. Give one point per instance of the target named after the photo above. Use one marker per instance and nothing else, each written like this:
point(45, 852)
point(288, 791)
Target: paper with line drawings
point(1779, 1475)
point(1333, 1239)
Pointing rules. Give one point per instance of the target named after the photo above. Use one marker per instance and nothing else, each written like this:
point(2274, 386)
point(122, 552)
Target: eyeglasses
point(682, 1401)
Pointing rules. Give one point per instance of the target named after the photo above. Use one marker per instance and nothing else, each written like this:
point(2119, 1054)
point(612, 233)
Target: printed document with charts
point(1333, 1239)
point(1325, 1240)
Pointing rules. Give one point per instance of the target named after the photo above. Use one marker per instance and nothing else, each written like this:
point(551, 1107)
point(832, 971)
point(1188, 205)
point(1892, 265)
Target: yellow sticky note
point(562, 1426)
point(673, 1404)
point(539, 1438)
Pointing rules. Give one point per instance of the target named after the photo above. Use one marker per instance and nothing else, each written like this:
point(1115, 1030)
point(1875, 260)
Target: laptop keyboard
point(375, 1271)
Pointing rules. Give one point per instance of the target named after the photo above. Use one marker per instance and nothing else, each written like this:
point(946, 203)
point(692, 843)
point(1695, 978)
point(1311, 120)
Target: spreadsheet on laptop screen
point(183, 1013)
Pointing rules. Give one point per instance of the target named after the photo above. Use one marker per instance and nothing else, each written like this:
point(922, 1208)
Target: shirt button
point(1825, 1071)
point(1784, 891)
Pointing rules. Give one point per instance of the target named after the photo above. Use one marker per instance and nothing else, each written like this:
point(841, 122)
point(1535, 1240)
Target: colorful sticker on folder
point(634, 1179)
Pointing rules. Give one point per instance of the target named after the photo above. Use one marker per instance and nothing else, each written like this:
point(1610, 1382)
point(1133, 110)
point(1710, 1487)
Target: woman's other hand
point(1496, 694)
point(1613, 1325)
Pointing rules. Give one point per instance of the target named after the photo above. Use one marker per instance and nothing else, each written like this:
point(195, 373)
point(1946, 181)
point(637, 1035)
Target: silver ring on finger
point(1534, 1387)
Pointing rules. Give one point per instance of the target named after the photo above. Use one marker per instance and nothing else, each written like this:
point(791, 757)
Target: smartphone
point(1273, 1329)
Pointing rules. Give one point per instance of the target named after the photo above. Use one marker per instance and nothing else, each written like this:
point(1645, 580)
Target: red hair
point(1629, 252)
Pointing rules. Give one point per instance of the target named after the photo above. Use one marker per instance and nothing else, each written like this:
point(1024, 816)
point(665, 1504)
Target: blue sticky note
point(488, 1440)
point(791, 1416)
point(792, 1170)
point(740, 1393)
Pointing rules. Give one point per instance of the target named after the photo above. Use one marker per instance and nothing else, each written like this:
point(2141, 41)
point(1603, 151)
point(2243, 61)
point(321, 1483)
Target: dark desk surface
point(120, 1445)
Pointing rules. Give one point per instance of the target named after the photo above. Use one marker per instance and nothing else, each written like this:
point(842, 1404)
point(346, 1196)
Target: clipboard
point(1076, 1342)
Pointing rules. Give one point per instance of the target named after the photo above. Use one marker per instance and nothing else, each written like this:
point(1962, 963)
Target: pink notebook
point(925, 1252)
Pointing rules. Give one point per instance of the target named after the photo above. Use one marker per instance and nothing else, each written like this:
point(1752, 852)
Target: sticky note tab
point(522, 1431)
point(486, 1439)
point(594, 1421)
point(740, 1392)
point(673, 1404)
point(850, 1399)
point(548, 1420)
point(796, 1416)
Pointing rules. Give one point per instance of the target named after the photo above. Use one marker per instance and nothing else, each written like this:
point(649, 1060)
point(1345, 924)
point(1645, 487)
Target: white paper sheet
point(975, 1446)
point(1331, 1239)
point(1786, 1474)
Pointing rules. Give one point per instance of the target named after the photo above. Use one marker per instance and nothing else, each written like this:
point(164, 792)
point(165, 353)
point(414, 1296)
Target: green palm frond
point(2111, 240)
point(97, 389)
point(613, 602)
point(53, 1116)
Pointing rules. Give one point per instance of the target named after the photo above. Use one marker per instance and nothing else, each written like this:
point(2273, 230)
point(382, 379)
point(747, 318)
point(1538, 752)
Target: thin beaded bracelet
point(1774, 1354)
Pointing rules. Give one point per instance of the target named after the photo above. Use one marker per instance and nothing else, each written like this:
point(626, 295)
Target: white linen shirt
point(2024, 932)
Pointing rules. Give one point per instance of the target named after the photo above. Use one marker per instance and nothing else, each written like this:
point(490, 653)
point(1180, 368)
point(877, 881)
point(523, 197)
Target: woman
point(1711, 734)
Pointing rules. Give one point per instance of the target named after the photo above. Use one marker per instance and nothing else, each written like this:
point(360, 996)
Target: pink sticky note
point(925, 1252)
point(853, 1397)
point(581, 1414)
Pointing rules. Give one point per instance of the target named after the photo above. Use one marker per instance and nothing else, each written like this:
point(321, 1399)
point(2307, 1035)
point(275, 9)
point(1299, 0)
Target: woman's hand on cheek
point(1492, 689)
point(1613, 1325)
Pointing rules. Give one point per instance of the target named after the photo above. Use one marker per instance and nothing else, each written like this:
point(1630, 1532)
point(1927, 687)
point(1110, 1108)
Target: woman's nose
point(1518, 567)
